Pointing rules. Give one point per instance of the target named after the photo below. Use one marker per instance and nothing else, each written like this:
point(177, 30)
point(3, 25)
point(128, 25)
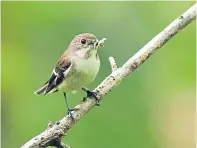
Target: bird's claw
point(69, 112)
point(91, 94)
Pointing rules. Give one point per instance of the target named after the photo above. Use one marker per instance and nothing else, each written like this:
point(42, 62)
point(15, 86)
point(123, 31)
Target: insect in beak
point(99, 43)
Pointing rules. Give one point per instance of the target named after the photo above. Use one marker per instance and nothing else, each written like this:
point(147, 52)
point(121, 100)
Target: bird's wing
point(57, 76)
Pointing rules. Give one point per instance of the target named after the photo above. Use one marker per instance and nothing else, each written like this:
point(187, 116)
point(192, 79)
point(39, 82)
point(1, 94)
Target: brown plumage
point(76, 67)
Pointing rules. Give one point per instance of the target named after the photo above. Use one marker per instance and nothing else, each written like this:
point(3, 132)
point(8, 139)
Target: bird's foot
point(90, 94)
point(69, 112)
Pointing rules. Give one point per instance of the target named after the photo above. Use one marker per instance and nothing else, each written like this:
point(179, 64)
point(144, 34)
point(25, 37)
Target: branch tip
point(113, 64)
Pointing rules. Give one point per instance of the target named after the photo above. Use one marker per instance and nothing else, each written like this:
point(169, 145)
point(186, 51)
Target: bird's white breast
point(82, 72)
point(88, 67)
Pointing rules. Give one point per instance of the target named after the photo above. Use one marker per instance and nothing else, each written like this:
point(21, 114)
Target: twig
point(59, 129)
point(113, 64)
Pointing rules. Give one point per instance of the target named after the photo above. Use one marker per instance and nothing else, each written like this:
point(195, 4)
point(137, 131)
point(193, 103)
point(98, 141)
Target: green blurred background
point(152, 108)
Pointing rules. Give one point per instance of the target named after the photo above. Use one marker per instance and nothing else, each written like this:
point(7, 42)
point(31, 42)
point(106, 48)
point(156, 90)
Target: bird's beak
point(99, 43)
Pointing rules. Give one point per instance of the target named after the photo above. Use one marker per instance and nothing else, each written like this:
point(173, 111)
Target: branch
point(113, 64)
point(57, 131)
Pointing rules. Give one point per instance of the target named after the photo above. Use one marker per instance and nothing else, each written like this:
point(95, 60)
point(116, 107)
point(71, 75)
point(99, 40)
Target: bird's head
point(85, 45)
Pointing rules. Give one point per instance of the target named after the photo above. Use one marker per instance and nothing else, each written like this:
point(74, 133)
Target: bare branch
point(113, 64)
point(58, 130)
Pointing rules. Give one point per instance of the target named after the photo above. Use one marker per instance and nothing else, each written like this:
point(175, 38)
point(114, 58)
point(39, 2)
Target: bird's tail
point(41, 90)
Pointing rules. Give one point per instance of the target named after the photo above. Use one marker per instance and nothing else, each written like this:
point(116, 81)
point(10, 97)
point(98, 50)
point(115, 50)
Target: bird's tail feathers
point(41, 90)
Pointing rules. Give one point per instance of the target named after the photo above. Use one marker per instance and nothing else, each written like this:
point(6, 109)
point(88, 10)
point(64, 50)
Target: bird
point(76, 67)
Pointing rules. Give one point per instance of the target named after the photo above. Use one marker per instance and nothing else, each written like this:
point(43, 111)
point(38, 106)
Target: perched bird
point(76, 67)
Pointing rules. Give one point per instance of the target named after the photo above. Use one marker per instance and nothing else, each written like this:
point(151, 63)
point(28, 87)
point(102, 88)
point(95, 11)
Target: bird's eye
point(83, 41)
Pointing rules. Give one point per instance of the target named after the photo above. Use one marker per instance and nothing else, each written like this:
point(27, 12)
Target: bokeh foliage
point(153, 108)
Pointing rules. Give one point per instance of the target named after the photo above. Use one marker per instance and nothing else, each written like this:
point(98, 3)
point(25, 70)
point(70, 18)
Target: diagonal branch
point(57, 131)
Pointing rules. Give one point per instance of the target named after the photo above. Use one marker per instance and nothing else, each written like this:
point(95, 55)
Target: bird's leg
point(91, 94)
point(68, 109)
